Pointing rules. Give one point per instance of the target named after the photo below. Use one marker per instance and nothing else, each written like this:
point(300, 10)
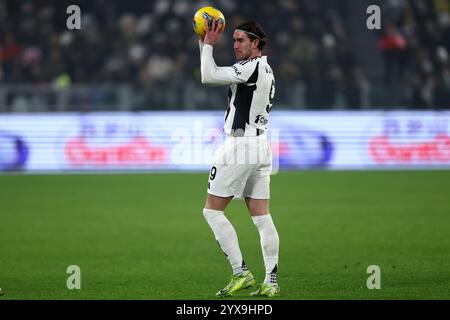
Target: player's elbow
point(206, 80)
point(207, 77)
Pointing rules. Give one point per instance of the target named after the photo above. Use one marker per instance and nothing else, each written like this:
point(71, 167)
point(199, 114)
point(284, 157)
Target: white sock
point(226, 237)
point(270, 245)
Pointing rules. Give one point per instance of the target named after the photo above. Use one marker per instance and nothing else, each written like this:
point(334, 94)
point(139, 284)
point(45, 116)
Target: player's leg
point(257, 200)
point(225, 233)
point(226, 181)
point(217, 203)
point(257, 207)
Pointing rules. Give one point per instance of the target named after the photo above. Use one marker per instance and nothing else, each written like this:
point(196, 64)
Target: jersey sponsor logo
point(261, 120)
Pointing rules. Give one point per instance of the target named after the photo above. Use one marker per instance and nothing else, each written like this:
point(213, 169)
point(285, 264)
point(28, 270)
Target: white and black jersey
point(250, 94)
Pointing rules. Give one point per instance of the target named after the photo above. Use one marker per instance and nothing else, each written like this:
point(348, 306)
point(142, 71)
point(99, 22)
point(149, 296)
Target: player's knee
point(258, 206)
point(217, 203)
point(211, 213)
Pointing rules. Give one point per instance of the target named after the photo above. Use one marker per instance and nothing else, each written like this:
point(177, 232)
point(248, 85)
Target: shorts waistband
point(248, 133)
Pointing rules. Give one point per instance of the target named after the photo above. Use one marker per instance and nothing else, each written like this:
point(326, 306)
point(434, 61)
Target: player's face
point(242, 45)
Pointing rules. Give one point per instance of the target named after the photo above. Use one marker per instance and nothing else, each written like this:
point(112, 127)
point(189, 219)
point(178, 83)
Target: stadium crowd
point(415, 42)
point(151, 45)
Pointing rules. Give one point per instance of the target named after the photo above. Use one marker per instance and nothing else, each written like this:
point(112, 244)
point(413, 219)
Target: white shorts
point(242, 168)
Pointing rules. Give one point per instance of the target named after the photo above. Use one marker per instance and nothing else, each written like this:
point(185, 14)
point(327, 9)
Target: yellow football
point(204, 18)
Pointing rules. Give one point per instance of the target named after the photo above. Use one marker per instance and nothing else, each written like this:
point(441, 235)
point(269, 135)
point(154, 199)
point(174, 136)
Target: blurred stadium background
point(142, 55)
point(123, 94)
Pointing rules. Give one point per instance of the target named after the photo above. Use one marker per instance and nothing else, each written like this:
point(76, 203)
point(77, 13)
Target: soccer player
point(234, 174)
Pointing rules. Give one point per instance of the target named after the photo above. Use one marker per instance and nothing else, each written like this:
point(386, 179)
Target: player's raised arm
point(210, 72)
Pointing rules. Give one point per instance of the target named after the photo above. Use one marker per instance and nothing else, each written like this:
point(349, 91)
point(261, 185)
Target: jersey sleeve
point(214, 75)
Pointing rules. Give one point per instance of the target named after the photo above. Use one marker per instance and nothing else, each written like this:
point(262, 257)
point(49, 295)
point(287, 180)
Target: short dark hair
point(254, 31)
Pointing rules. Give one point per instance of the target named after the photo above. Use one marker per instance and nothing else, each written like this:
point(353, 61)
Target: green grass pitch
point(143, 236)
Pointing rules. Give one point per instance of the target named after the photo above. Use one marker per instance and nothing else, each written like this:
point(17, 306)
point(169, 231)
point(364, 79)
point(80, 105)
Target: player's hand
point(213, 35)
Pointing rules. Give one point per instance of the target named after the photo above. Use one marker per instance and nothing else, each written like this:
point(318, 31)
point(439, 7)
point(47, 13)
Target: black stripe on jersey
point(243, 101)
point(229, 99)
point(243, 62)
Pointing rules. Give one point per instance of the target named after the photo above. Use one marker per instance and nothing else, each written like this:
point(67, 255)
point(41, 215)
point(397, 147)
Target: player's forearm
point(211, 74)
point(200, 46)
